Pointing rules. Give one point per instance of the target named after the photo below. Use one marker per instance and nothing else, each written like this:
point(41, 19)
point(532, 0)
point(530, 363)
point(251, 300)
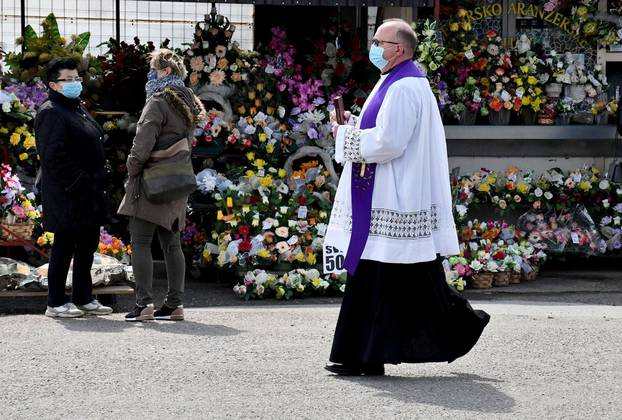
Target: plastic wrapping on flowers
point(259, 284)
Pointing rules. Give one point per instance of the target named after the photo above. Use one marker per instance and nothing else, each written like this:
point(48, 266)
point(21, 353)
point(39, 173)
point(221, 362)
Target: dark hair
point(54, 67)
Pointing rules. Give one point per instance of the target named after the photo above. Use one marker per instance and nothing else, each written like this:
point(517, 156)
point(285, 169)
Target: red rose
point(301, 201)
point(245, 246)
point(245, 230)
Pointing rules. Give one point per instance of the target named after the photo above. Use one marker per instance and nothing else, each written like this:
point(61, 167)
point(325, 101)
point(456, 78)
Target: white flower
point(461, 209)
point(260, 289)
point(619, 191)
point(616, 220)
point(342, 288)
point(281, 111)
point(242, 290)
point(476, 265)
point(548, 195)
point(606, 203)
point(538, 192)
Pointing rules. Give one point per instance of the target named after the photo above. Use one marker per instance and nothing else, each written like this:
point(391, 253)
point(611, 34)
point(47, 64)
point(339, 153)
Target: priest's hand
point(335, 128)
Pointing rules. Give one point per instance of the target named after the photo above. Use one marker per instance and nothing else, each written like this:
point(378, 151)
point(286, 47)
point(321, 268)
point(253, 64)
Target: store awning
point(333, 3)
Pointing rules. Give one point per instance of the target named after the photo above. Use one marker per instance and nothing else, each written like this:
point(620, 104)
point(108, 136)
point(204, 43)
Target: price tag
point(333, 260)
point(506, 96)
point(267, 225)
point(302, 212)
point(469, 54)
point(577, 178)
point(293, 240)
point(446, 266)
point(575, 238)
point(261, 172)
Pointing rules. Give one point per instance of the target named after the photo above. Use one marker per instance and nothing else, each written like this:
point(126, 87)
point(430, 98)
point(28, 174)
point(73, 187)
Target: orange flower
point(309, 165)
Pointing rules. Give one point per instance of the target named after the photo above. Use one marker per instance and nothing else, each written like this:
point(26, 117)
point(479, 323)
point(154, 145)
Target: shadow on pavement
point(107, 325)
point(461, 391)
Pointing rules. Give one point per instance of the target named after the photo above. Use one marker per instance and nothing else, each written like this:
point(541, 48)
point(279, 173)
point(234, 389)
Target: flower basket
point(499, 118)
point(563, 119)
point(515, 277)
point(482, 280)
point(544, 119)
point(501, 279)
point(530, 276)
point(19, 230)
point(583, 117)
point(467, 117)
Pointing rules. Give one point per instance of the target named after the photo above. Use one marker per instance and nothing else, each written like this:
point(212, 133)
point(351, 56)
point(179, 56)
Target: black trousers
point(79, 245)
point(403, 313)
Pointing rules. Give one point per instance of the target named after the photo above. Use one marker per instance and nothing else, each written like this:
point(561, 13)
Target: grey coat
point(167, 117)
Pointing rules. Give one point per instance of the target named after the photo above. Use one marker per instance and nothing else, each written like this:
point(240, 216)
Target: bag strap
point(177, 147)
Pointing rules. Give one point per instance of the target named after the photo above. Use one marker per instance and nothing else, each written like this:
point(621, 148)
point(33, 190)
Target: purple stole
point(363, 183)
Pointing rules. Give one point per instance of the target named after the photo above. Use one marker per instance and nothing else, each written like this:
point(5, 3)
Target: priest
point(392, 221)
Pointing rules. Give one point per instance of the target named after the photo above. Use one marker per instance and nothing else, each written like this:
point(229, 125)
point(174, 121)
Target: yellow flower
point(280, 292)
point(519, 82)
point(300, 257)
point(522, 188)
point(229, 202)
point(311, 260)
point(491, 180)
point(323, 214)
point(316, 282)
point(250, 173)
point(219, 215)
point(207, 256)
point(532, 80)
point(29, 143)
point(266, 181)
point(538, 91)
point(524, 69)
point(245, 209)
point(263, 137)
point(462, 12)
point(585, 186)
point(270, 148)
point(526, 100)
point(4, 130)
point(454, 27)
point(282, 173)
point(23, 156)
point(264, 253)
point(260, 163)
point(15, 138)
point(484, 187)
point(250, 156)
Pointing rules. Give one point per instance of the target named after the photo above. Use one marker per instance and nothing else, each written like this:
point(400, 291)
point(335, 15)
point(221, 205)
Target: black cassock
point(403, 313)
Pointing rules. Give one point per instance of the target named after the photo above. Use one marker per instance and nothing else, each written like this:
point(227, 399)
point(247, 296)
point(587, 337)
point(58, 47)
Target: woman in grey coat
point(170, 114)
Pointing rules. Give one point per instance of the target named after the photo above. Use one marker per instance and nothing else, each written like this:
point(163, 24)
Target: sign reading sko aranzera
point(521, 9)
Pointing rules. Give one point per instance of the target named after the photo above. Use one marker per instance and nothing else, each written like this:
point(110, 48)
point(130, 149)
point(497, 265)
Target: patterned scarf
point(154, 86)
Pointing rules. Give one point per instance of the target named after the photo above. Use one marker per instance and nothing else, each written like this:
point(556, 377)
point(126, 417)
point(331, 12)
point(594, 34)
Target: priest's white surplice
point(412, 218)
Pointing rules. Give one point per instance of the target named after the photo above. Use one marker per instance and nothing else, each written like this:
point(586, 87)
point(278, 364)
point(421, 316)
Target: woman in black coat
point(70, 146)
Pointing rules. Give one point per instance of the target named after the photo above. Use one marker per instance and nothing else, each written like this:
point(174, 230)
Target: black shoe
point(140, 313)
point(346, 370)
point(167, 313)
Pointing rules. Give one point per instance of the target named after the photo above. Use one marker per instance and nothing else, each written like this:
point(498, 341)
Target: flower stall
point(263, 154)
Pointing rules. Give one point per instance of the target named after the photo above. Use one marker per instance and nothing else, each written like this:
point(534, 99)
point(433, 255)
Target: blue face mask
point(152, 75)
point(72, 90)
point(376, 58)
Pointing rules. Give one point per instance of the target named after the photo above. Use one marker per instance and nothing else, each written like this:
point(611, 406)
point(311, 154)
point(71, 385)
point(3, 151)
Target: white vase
point(553, 90)
point(576, 92)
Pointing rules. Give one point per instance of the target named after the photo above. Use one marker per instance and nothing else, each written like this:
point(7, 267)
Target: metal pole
point(118, 19)
point(23, 21)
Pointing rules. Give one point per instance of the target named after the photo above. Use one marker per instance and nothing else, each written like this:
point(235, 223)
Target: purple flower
point(606, 221)
point(617, 245)
point(312, 133)
point(618, 207)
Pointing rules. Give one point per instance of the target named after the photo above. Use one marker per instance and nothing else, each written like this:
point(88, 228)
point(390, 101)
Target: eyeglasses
point(77, 79)
point(377, 42)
